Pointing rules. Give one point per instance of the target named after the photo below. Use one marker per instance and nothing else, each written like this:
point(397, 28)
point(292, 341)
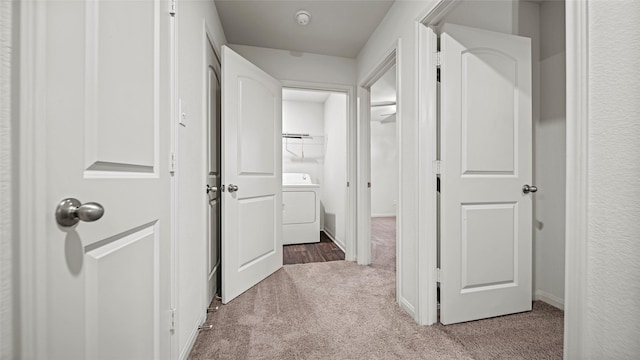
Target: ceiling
point(338, 28)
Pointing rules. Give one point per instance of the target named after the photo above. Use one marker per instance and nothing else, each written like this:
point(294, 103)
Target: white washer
point(300, 209)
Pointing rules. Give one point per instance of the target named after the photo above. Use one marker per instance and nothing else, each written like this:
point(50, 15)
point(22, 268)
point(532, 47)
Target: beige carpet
point(340, 310)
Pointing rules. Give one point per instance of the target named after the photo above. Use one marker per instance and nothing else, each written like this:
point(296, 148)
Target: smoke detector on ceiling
point(303, 17)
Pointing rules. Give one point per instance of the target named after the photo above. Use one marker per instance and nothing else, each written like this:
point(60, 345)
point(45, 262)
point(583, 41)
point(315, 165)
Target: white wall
point(612, 323)
point(400, 24)
point(550, 155)
point(493, 15)
point(291, 65)
point(304, 117)
point(384, 150)
point(190, 180)
point(334, 199)
point(384, 169)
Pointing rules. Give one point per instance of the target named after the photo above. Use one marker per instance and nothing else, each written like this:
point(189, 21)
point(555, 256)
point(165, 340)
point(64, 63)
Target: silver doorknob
point(529, 188)
point(232, 188)
point(70, 211)
point(212, 189)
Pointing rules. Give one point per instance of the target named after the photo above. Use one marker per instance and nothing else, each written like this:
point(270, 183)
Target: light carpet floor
point(341, 310)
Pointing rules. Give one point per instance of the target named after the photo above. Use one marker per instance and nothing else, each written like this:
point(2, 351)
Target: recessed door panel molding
point(486, 154)
point(121, 90)
point(489, 245)
point(121, 297)
point(256, 152)
point(489, 106)
point(254, 224)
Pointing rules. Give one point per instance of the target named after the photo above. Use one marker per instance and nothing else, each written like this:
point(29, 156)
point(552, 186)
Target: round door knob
point(70, 211)
point(232, 188)
point(529, 188)
point(212, 189)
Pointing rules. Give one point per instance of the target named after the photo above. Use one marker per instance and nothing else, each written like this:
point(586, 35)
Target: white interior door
point(486, 219)
point(251, 175)
point(213, 170)
point(105, 284)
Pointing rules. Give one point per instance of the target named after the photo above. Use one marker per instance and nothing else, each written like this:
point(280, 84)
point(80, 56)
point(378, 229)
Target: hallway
point(341, 310)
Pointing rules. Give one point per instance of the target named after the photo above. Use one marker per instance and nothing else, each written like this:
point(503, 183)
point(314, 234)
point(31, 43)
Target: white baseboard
point(383, 215)
point(184, 354)
point(406, 306)
point(549, 299)
point(335, 240)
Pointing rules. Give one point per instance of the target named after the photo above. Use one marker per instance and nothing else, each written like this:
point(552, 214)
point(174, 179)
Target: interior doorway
point(315, 175)
point(544, 24)
point(384, 170)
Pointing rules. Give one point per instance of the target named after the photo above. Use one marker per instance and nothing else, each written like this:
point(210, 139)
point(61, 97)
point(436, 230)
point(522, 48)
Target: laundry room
point(314, 166)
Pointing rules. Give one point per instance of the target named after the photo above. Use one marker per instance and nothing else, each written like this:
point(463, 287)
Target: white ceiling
point(338, 28)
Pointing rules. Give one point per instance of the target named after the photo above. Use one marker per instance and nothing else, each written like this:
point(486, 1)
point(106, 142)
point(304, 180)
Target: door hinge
point(437, 167)
point(438, 271)
point(172, 319)
point(438, 66)
point(172, 164)
point(172, 8)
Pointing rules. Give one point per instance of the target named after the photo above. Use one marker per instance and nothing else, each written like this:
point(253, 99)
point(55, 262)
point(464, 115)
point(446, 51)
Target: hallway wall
point(612, 304)
point(400, 25)
point(334, 198)
point(290, 65)
point(190, 200)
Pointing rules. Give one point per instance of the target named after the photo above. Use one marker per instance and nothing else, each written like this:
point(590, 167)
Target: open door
point(251, 175)
point(102, 277)
point(486, 153)
point(213, 170)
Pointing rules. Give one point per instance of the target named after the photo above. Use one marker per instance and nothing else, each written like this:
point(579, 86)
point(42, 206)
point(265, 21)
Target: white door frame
point(577, 24)
point(350, 241)
point(576, 221)
point(32, 148)
point(389, 58)
point(8, 150)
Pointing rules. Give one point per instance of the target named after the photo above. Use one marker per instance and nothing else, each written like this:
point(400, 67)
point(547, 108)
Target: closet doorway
point(315, 175)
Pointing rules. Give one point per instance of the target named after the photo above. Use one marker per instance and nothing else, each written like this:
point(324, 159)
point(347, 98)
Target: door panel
point(106, 285)
point(115, 76)
point(251, 153)
point(488, 116)
point(130, 263)
point(486, 220)
point(255, 150)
